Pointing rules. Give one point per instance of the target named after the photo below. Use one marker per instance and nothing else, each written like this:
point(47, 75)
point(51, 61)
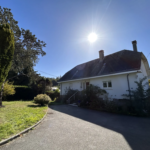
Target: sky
point(65, 25)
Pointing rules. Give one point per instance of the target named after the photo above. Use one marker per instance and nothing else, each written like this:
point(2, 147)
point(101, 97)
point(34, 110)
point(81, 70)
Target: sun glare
point(92, 37)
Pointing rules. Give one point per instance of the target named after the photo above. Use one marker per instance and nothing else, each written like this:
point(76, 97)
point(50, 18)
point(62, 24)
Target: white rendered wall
point(73, 85)
point(119, 84)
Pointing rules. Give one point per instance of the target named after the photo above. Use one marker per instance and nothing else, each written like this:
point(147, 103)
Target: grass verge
point(17, 116)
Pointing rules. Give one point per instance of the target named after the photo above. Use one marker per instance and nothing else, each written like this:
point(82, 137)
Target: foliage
point(53, 94)
point(84, 97)
point(57, 93)
point(6, 51)
point(22, 86)
point(91, 93)
point(41, 85)
point(149, 82)
point(22, 93)
point(42, 99)
point(26, 52)
point(9, 89)
point(140, 95)
point(97, 103)
point(25, 78)
point(17, 116)
point(69, 92)
point(57, 101)
point(27, 46)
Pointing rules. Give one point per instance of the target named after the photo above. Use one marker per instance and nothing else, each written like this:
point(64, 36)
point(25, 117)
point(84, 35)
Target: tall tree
point(27, 46)
point(6, 54)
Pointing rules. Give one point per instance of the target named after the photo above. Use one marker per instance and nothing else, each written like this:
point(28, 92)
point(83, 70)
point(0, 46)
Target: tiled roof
point(121, 61)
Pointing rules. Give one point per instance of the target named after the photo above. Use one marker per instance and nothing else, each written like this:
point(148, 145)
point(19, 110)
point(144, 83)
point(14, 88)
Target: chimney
point(134, 45)
point(101, 55)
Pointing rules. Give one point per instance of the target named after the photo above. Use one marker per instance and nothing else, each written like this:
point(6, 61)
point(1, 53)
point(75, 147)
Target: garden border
point(22, 132)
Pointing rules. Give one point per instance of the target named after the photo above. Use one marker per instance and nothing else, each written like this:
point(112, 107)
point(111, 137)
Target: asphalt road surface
point(72, 128)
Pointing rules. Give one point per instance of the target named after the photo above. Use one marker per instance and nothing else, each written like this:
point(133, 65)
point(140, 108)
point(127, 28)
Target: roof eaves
point(110, 74)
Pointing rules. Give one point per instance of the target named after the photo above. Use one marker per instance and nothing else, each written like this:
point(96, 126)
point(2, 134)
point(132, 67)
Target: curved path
point(72, 128)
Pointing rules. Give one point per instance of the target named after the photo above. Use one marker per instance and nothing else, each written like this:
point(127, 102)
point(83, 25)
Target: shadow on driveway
point(135, 130)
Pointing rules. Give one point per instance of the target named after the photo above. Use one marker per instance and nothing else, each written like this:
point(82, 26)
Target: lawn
point(17, 116)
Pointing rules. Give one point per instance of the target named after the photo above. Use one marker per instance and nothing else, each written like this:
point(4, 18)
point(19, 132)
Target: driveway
point(72, 128)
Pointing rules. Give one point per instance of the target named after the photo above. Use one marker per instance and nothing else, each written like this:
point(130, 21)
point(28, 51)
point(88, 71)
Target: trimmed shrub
point(42, 99)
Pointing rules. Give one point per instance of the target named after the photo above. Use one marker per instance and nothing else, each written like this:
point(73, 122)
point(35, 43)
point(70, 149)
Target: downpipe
point(128, 85)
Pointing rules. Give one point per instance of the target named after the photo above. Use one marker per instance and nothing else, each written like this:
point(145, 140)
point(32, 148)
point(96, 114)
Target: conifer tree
point(6, 54)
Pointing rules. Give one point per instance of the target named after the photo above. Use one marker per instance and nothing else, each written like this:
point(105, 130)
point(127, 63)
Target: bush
point(91, 95)
point(53, 94)
point(68, 93)
point(9, 89)
point(42, 99)
point(140, 97)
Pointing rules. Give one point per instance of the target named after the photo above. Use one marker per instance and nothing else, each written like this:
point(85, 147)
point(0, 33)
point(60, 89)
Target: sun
point(92, 37)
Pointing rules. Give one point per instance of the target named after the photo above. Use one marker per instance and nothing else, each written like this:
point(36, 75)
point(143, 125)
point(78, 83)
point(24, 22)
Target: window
point(107, 84)
point(104, 84)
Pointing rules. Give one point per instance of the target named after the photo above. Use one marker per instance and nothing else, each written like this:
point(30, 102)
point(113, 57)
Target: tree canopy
point(6, 51)
point(6, 54)
point(27, 46)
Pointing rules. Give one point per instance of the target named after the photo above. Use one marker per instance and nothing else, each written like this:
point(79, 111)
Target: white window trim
point(107, 85)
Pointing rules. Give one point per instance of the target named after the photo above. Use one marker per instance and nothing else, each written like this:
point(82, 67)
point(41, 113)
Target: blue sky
point(65, 25)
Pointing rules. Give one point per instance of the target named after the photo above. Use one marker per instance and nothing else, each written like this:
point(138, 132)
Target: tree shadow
point(35, 106)
point(135, 130)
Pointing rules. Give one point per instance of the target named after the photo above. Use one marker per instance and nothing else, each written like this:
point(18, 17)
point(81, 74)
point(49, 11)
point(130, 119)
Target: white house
point(116, 73)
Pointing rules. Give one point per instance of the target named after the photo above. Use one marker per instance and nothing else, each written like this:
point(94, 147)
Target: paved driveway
point(72, 128)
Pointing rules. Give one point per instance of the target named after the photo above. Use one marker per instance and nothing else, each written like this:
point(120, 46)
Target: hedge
point(22, 93)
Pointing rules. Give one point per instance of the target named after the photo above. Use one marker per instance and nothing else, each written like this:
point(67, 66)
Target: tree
point(27, 46)
point(42, 84)
point(140, 95)
point(6, 54)
point(22, 79)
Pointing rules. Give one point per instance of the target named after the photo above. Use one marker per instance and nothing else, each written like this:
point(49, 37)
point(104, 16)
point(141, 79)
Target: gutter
point(139, 71)
point(128, 85)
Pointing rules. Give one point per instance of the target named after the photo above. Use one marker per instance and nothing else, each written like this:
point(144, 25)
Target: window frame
point(107, 84)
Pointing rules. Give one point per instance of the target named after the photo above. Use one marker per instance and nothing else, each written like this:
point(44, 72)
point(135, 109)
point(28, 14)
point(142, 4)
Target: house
point(116, 73)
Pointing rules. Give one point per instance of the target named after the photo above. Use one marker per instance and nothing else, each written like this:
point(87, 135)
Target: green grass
point(21, 86)
point(17, 116)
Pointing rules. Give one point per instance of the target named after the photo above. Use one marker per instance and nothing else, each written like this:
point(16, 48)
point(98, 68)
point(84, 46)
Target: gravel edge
point(22, 132)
